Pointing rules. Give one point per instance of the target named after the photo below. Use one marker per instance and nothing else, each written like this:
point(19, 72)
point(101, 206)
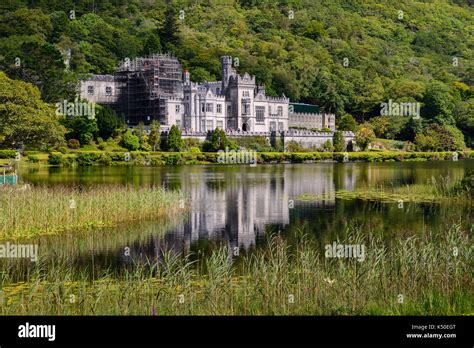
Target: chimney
point(186, 76)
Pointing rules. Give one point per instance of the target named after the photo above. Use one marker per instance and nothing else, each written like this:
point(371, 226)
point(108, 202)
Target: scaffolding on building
point(150, 81)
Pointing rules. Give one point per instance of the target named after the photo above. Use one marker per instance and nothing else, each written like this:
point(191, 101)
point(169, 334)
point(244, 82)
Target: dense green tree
point(411, 129)
point(25, 118)
point(438, 103)
point(43, 66)
point(346, 123)
point(107, 122)
point(152, 45)
point(155, 135)
point(174, 142)
point(170, 30)
point(464, 116)
point(60, 25)
point(333, 54)
point(82, 128)
point(379, 125)
point(25, 21)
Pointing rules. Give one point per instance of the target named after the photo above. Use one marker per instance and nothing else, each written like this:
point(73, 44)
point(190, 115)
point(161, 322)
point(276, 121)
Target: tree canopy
point(346, 56)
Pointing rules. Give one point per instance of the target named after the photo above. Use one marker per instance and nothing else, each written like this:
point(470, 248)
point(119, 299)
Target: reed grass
point(436, 190)
point(41, 210)
point(431, 273)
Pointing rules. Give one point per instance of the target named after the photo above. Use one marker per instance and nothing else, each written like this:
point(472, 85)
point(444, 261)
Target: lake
point(240, 206)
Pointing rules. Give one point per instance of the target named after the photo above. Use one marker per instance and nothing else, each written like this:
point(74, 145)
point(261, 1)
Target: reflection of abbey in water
point(236, 208)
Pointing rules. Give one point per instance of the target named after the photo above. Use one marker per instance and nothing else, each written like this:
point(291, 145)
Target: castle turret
point(227, 71)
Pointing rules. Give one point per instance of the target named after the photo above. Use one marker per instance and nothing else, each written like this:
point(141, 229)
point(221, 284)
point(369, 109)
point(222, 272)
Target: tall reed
point(41, 210)
point(427, 275)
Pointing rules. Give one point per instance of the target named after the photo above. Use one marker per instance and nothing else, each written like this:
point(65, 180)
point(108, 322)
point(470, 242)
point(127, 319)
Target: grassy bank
point(86, 158)
point(429, 275)
point(38, 210)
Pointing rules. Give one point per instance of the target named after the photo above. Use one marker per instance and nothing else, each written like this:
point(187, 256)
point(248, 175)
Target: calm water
point(239, 206)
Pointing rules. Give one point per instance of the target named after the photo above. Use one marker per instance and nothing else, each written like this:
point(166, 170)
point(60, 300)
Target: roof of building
point(305, 108)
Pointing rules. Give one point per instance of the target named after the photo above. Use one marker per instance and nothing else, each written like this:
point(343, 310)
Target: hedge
point(8, 153)
point(181, 158)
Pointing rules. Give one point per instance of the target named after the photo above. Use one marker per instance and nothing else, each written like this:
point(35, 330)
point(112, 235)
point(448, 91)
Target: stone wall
point(309, 139)
point(303, 137)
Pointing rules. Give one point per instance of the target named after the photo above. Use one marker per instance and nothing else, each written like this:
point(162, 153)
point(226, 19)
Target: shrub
point(191, 143)
point(194, 150)
point(440, 138)
point(130, 142)
point(364, 137)
point(55, 159)
point(73, 144)
point(327, 146)
point(173, 159)
point(63, 150)
point(105, 159)
point(255, 142)
point(7, 153)
point(87, 158)
point(294, 146)
point(33, 159)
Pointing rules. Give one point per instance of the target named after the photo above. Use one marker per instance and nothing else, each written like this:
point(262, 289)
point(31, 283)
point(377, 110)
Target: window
point(272, 126)
point(269, 111)
point(209, 107)
point(108, 90)
point(90, 89)
point(220, 124)
point(280, 126)
point(280, 111)
point(229, 110)
point(203, 126)
point(209, 124)
point(260, 113)
point(245, 108)
point(177, 109)
point(246, 94)
point(203, 107)
point(178, 123)
point(219, 108)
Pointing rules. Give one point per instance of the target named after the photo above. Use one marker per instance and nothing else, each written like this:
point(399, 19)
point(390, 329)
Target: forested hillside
point(348, 56)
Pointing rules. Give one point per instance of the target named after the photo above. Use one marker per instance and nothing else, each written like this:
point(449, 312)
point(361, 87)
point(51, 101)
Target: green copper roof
point(306, 108)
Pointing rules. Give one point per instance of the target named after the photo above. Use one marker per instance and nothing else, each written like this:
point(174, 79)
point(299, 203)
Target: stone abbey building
point(156, 88)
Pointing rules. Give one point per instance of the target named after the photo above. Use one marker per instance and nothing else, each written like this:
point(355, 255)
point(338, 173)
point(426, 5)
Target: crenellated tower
point(227, 71)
